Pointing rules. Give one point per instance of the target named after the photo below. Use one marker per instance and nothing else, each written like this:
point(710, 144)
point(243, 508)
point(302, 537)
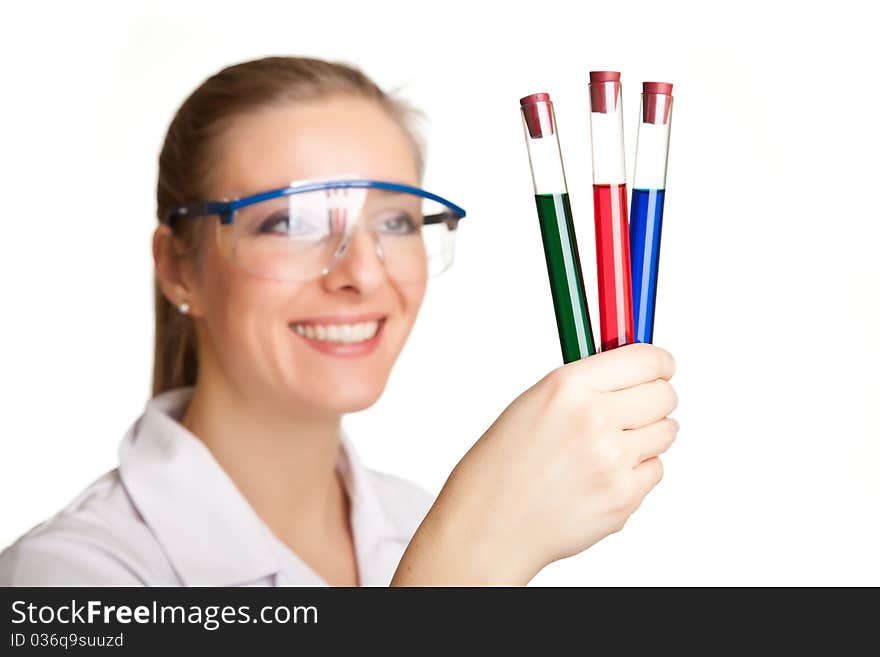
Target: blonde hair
point(186, 154)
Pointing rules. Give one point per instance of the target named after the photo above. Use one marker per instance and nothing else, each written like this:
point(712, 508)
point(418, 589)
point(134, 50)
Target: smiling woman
point(265, 336)
point(292, 254)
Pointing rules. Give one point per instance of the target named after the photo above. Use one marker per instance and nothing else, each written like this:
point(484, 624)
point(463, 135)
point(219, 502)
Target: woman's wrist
point(446, 551)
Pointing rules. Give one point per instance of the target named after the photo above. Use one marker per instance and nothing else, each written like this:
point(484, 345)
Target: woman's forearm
point(443, 552)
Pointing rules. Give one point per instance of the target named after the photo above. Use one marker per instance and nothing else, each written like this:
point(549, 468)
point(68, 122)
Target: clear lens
point(300, 236)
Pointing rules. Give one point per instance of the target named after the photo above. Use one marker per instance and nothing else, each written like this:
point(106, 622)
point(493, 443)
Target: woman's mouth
point(341, 338)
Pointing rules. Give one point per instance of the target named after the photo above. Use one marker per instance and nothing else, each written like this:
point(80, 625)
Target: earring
point(183, 307)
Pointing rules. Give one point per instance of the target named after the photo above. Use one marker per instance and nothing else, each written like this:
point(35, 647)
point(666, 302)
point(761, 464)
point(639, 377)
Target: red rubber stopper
point(657, 88)
point(538, 112)
point(599, 92)
point(604, 76)
point(656, 102)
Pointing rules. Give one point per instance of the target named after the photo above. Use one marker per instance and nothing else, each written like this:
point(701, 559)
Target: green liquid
point(566, 280)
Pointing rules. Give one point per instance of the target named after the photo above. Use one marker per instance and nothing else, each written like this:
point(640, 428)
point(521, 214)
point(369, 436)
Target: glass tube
point(649, 192)
point(557, 228)
point(610, 210)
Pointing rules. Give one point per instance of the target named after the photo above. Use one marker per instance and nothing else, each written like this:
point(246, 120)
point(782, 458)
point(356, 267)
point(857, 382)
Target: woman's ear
point(174, 271)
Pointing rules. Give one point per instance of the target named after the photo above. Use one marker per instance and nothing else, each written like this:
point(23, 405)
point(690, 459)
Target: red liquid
point(613, 266)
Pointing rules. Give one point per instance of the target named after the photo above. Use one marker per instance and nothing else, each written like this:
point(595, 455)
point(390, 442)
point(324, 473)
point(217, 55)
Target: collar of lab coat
point(209, 531)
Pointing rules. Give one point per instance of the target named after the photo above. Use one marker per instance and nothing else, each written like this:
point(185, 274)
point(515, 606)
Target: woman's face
point(256, 331)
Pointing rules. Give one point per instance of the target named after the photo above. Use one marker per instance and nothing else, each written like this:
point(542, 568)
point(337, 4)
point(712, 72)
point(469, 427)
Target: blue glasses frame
point(226, 209)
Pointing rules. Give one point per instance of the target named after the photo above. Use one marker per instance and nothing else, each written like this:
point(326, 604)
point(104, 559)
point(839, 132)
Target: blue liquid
point(645, 221)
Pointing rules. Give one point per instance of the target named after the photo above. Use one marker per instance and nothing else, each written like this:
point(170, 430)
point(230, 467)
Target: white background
point(768, 287)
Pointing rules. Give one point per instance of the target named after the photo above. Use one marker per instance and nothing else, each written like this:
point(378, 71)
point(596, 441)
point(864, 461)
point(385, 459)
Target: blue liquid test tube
point(648, 195)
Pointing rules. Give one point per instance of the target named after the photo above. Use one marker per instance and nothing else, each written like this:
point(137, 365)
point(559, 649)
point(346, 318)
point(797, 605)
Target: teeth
point(342, 333)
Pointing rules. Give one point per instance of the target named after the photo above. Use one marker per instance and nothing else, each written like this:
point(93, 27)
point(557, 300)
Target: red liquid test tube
point(610, 210)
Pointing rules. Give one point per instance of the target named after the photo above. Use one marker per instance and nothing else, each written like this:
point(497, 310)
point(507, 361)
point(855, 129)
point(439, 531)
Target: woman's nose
point(357, 263)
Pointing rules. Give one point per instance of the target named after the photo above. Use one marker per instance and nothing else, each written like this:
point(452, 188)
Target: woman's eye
point(281, 223)
point(277, 223)
point(398, 224)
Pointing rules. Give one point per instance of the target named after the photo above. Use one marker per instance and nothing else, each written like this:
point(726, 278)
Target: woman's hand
point(565, 464)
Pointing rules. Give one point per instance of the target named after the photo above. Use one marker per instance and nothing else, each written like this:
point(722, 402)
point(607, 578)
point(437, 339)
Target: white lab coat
point(170, 515)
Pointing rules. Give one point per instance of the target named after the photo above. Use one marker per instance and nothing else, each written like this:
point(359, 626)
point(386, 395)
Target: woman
point(291, 258)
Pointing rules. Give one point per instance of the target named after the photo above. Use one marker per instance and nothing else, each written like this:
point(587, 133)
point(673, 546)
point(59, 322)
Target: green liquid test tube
point(557, 228)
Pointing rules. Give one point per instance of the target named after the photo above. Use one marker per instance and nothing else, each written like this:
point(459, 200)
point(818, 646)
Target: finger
point(651, 440)
point(648, 473)
point(641, 405)
point(624, 367)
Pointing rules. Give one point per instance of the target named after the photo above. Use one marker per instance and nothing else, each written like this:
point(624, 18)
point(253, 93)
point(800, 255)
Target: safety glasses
point(298, 232)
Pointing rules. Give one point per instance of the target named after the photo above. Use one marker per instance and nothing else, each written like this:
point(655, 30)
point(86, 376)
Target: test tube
point(610, 210)
point(649, 191)
point(557, 228)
